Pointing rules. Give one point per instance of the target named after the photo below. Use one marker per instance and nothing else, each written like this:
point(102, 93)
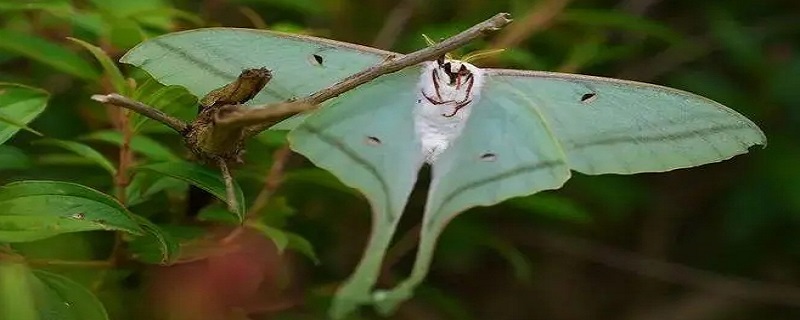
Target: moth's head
point(457, 72)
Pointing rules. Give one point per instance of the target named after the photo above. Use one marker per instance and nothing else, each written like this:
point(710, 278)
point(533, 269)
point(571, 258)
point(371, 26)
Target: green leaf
point(110, 68)
point(20, 104)
point(621, 20)
point(201, 177)
point(301, 245)
point(146, 184)
point(276, 212)
point(552, 205)
point(143, 16)
point(173, 100)
point(520, 263)
point(140, 144)
point(216, 213)
point(278, 236)
point(15, 123)
point(124, 32)
point(46, 52)
point(156, 246)
point(16, 295)
point(12, 158)
point(55, 7)
point(125, 9)
point(60, 298)
point(272, 138)
point(321, 178)
point(27, 294)
point(81, 150)
point(34, 210)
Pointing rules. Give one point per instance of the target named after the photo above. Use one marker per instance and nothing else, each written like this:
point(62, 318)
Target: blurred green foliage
point(592, 250)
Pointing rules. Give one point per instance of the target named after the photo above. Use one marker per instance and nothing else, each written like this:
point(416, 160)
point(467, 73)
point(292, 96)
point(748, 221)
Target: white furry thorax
point(436, 120)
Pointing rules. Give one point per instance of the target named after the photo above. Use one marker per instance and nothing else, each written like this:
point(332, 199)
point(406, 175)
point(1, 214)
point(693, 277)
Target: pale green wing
point(616, 126)
point(205, 59)
point(505, 150)
point(546, 123)
point(366, 138)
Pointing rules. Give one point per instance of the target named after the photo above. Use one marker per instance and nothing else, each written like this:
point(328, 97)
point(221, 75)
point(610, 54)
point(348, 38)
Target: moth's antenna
point(430, 42)
point(481, 54)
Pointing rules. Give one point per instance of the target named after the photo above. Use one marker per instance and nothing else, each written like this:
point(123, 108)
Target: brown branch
point(538, 18)
point(263, 117)
point(230, 193)
point(141, 108)
point(272, 182)
point(395, 23)
point(728, 286)
point(71, 263)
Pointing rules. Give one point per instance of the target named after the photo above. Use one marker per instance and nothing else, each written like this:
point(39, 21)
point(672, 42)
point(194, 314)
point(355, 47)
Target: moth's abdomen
point(444, 102)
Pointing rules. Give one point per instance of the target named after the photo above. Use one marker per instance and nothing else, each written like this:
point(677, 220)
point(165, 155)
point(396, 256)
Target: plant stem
point(233, 203)
point(272, 182)
point(143, 109)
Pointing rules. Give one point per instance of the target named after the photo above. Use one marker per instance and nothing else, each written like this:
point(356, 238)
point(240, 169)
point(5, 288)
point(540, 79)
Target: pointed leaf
point(301, 245)
point(144, 185)
point(202, 177)
point(19, 104)
point(16, 294)
point(46, 52)
point(16, 123)
point(552, 205)
point(277, 236)
point(33, 210)
point(140, 144)
point(110, 68)
point(216, 213)
point(59, 298)
point(12, 158)
point(156, 246)
point(81, 150)
point(38, 295)
point(173, 100)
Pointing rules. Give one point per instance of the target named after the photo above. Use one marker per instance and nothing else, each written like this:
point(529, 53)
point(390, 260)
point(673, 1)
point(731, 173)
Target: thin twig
point(143, 109)
point(233, 203)
point(71, 263)
point(272, 182)
point(538, 18)
point(399, 249)
point(730, 286)
point(395, 23)
point(267, 115)
point(264, 117)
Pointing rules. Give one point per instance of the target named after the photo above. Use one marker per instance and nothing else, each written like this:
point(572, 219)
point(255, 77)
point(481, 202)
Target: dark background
point(715, 242)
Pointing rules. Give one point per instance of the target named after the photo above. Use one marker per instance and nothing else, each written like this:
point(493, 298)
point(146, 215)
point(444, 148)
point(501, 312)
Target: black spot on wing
point(374, 141)
point(318, 59)
point(488, 157)
point(588, 97)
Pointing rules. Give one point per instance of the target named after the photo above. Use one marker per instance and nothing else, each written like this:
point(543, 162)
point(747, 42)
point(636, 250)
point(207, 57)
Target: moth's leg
point(432, 100)
point(435, 77)
point(458, 107)
point(470, 82)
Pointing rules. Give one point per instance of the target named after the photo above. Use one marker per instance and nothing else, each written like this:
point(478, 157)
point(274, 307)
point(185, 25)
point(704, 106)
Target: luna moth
point(488, 134)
